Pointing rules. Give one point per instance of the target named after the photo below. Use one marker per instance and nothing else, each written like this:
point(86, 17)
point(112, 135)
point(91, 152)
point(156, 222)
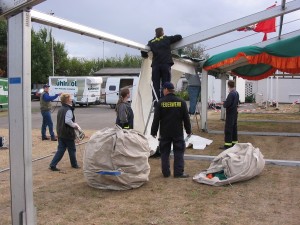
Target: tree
point(41, 56)
point(60, 58)
point(194, 51)
point(41, 65)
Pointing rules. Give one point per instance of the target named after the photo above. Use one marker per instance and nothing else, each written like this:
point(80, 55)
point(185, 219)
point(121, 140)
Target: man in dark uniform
point(231, 104)
point(170, 114)
point(162, 59)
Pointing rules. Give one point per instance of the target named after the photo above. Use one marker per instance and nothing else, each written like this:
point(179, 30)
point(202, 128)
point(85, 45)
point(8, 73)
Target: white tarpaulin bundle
point(240, 162)
point(116, 159)
point(195, 141)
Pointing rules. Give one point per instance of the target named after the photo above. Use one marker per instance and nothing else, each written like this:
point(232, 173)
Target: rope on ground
point(43, 157)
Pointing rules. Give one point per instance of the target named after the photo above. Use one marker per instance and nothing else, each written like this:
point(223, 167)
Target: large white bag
point(116, 159)
point(240, 162)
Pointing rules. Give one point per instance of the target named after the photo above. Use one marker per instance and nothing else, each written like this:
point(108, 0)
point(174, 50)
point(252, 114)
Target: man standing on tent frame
point(162, 59)
point(231, 104)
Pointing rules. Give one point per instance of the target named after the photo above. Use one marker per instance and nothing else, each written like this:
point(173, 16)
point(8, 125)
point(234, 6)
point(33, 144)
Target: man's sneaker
point(53, 139)
point(76, 167)
point(181, 176)
point(54, 168)
point(45, 138)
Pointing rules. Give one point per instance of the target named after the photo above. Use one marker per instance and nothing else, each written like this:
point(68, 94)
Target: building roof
point(118, 72)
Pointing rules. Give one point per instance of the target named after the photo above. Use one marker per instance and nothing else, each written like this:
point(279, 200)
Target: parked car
point(36, 93)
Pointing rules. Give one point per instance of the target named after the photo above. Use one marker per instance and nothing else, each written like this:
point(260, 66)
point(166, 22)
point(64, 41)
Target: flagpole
point(281, 19)
point(52, 47)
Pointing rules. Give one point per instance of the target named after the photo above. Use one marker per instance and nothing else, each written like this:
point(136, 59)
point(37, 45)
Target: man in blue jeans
point(45, 106)
point(194, 88)
point(65, 128)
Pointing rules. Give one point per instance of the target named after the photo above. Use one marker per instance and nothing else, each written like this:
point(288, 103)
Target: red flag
point(266, 26)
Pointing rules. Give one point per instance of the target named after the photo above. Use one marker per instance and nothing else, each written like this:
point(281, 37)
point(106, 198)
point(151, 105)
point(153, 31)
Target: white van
point(115, 84)
point(84, 90)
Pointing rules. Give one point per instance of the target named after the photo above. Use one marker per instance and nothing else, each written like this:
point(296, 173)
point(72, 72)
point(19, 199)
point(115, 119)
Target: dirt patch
point(65, 198)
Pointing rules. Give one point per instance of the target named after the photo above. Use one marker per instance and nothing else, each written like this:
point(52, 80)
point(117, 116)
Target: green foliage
point(194, 51)
point(183, 94)
point(3, 48)
point(250, 99)
point(83, 67)
point(41, 58)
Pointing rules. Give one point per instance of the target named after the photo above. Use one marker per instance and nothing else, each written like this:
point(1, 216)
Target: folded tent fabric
point(239, 163)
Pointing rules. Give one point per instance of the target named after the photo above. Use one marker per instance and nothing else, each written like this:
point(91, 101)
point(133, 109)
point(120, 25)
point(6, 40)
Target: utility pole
point(52, 46)
point(103, 55)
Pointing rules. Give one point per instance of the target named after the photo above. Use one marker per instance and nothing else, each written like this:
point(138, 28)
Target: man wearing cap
point(45, 106)
point(162, 59)
point(170, 114)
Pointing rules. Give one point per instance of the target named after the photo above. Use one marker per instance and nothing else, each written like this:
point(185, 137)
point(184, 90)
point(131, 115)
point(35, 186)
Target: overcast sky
point(136, 20)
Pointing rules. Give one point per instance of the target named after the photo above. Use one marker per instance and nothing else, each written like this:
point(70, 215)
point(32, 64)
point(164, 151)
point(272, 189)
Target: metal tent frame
point(19, 44)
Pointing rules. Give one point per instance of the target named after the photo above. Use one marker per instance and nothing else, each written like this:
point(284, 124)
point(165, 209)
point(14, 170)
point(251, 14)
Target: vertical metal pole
point(20, 154)
point(271, 90)
point(204, 99)
point(52, 53)
point(277, 90)
point(103, 55)
point(52, 46)
point(223, 94)
point(267, 101)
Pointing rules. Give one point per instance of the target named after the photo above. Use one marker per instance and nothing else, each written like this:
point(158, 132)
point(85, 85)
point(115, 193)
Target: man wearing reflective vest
point(231, 105)
point(162, 59)
point(170, 114)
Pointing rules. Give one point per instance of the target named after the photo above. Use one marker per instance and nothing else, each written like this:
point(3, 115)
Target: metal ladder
point(151, 108)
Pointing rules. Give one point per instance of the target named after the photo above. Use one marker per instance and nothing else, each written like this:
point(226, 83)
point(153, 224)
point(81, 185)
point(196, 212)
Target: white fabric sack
point(240, 162)
point(116, 159)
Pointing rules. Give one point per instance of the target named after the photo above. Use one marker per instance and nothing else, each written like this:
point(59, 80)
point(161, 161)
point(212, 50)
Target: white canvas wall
point(141, 102)
point(240, 87)
point(214, 89)
point(287, 90)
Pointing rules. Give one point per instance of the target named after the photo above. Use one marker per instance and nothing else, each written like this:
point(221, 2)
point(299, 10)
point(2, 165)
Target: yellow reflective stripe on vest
point(170, 104)
point(235, 142)
point(157, 39)
point(228, 144)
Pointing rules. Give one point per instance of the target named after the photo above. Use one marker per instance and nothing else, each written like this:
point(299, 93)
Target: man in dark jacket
point(66, 133)
point(162, 59)
point(231, 104)
point(170, 115)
